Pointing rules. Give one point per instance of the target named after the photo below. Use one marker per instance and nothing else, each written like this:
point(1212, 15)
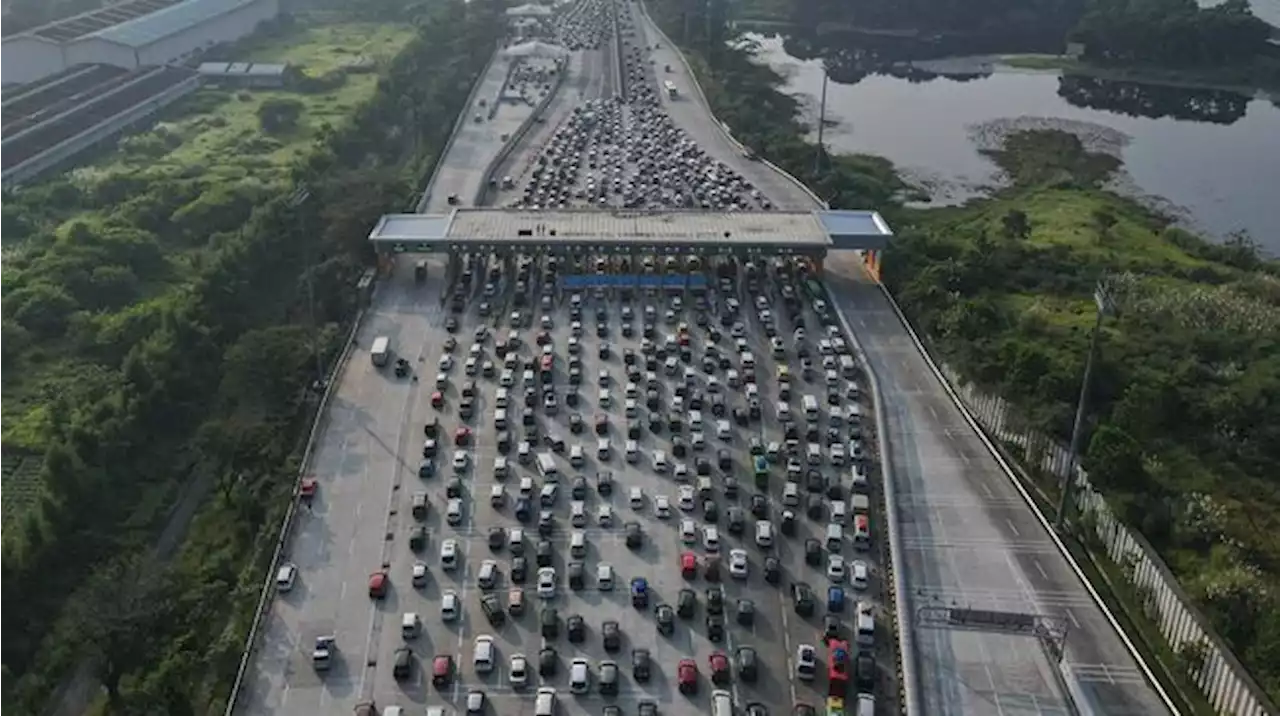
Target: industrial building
point(131, 35)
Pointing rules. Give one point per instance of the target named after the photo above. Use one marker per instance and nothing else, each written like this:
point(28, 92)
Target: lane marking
point(1012, 527)
point(1040, 568)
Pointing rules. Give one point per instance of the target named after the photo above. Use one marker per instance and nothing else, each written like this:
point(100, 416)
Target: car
point(548, 661)
point(686, 602)
point(497, 537)
point(745, 612)
point(549, 622)
point(641, 665)
point(688, 531)
point(450, 607)
point(518, 671)
point(378, 585)
point(579, 676)
point(611, 636)
point(661, 506)
point(639, 592)
point(686, 498)
point(859, 574)
point(687, 676)
point(835, 568)
point(475, 702)
point(608, 678)
point(806, 662)
point(715, 628)
point(802, 599)
point(715, 600)
point(402, 664)
point(688, 565)
point(738, 564)
point(719, 665)
point(419, 574)
point(547, 582)
point(442, 671)
point(666, 619)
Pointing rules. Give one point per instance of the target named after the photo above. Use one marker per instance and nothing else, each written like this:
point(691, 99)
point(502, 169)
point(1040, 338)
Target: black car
point(759, 506)
point(548, 662)
point(641, 667)
point(577, 627)
point(575, 424)
point(746, 612)
point(611, 635)
point(519, 570)
point(715, 600)
point(576, 577)
point(802, 597)
point(635, 538)
point(748, 667)
point(772, 570)
point(604, 483)
point(402, 667)
point(812, 552)
point(497, 538)
point(737, 520)
point(864, 670)
point(666, 619)
point(549, 619)
point(686, 603)
point(715, 627)
point(544, 553)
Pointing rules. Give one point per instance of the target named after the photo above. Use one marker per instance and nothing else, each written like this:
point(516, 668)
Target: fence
point(1220, 677)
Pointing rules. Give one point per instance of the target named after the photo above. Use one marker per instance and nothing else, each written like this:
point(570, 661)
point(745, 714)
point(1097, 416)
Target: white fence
point(1221, 678)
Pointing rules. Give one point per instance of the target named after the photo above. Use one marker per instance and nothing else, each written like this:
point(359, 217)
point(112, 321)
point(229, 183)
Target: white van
point(547, 466)
point(576, 456)
point(839, 511)
point(723, 430)
point(791, 494)
point(500, 419)
point(721, 703)
point(764, 533)
point(633, 450)
point(835, 537)
point(409, 625)
point(810, 405)
point(847, 366)
point(866, 625)
point(659, 461)
point(380, 351)
point(695, 419)
point(545, 705)
point(814, 452)
point(860, 482)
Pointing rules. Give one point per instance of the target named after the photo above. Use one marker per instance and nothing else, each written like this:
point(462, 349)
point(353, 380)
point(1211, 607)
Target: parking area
point(532, 475)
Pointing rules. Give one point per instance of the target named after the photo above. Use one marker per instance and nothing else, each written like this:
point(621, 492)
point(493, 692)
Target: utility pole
point(1106, 306)
point(300, 197)
point(822, 121)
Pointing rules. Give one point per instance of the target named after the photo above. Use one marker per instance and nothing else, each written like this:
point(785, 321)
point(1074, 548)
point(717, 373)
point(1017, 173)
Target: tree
point(279, 115)
point(1015, 224)
point(42, 308)
point(119, 611)
point(1103, 220)
point(1114, 460)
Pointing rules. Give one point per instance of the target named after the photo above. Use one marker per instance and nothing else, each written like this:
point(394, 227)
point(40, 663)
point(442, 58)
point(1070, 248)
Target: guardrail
point(482, 194)
point(453, 133)
point(264, 598)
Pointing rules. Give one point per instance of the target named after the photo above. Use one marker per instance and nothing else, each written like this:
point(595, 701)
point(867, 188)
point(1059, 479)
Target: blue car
point(639, 593)
point(427, 468)
point(835, 599)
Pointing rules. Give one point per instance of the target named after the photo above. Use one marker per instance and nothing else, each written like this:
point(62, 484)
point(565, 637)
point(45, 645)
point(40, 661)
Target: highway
point(969, 538)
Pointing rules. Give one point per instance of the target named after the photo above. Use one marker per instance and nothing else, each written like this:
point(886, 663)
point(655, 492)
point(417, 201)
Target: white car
point(579, 676)
point(806, 662)
point(419, 574)
point(459, 459)
point(859, 574)
point(605, 516)
point(547, 582)
point(286, 576)
point(711, 539)
point(604, 577)
point(637, 498)
point(738, 563)
point(449, 554)
point(681, 472)
point(449, 608)
point(483, 655)
point(446, 362)
point(453, 511)
point(688, 531)
point(686, 498)
point(835, 568)
point(578, 513)
point(661, 506)
point(519, 671)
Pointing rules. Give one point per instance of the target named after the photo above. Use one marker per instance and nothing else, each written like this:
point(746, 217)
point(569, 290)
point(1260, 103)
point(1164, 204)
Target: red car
point(688, 565)
point(719, 668)
point(437, 399)
point(307, 488)
point(442, 671)
point(378, 585)
point(687, 676)
point(462, 436)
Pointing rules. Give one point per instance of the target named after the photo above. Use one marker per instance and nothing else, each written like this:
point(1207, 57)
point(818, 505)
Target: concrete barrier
point(482, 194)
point(286, 525)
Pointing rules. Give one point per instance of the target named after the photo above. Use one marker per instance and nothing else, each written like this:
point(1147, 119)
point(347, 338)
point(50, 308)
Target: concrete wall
point(26, 59)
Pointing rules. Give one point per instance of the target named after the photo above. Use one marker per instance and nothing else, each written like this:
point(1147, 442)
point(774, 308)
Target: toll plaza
point(509, 232)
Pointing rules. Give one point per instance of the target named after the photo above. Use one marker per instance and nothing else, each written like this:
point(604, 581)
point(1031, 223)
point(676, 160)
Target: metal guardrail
point(264, 599)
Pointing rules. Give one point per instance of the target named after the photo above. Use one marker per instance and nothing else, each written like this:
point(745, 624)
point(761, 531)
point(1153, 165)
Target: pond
point(1210, 157)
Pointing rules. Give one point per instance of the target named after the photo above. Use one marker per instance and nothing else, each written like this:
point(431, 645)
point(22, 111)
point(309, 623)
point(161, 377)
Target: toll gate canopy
point(578, 231)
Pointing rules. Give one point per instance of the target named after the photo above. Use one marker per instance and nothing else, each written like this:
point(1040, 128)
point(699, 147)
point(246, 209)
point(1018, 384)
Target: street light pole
point(1106, 306)
point(299, 197)
point(822, 121)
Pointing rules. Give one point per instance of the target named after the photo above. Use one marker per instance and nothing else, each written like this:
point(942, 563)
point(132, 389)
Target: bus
point(838, 663)
point(670, 87)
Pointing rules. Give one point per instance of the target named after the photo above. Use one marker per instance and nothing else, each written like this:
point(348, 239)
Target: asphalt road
point(970, 540)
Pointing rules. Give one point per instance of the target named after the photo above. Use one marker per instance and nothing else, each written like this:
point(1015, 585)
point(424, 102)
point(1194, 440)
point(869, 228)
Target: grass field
point(217, 131)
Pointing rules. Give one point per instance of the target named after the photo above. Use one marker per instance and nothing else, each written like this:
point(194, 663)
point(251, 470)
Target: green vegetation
point(157, 340)
point(1186, 396)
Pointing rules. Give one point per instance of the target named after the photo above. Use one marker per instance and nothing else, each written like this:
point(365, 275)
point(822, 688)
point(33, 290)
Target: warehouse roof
point(148, 29)
point(86, 23)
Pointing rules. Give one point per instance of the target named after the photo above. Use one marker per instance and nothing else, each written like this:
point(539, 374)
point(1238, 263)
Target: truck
point(380, 351)
point(670, 87)
point(420, 270)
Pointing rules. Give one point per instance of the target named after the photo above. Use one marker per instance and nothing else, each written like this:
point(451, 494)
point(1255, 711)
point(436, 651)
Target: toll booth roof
point(571, 227)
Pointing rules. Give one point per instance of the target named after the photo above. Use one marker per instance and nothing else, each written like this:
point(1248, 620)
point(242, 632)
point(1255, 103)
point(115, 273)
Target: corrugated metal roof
point(149, 29)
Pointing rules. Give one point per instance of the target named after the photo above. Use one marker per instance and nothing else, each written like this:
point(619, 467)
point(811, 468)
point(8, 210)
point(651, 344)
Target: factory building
point(134, 34)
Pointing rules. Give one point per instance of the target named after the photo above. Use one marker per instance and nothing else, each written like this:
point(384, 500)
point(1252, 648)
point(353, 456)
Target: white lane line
point(1012, 527)
point(342, 591)
point(987, 489)
point(1040, 568)
point(932, 410)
